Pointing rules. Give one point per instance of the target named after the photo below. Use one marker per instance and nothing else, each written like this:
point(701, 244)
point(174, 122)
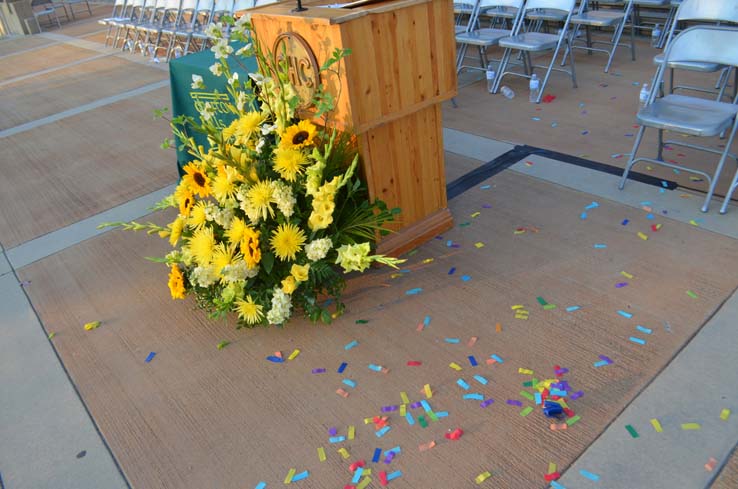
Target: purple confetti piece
point(318, 371)
point(415, 405)
point(25, 283)
point(389, 409)
point(486, 206)
point(455, 245)
point(565, 385)
point(452, 270)
point(584, 133)
point(486, 403)
point(561, 371)
point(333, 431)
point(514, 402)
point(620, 285)
point(576, 395)
point(150, 356)
point(606, 359)
point(388, 459)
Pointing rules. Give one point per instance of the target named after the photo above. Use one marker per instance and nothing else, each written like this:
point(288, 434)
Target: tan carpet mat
point(41, 59)
point(728, 477)
point(16, 44)
point(196, 416)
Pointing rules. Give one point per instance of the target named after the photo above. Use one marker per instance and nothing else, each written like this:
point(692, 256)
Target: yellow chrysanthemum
point(287, 241)
point(176, 283)
point(224, 184)
point(198, 216)
point(288, 162)
point(184, 198)
point(243, 127)
point(300, 272)
point(236, 232)
point(202, 245)
point(197, 180)
point(298, 136)
point(176, 228)
point(224, 255)
point(250, 247)
point(289, 285)
point(249, 311)
point(260, 198)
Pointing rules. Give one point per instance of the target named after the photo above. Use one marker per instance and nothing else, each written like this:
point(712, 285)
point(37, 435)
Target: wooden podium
point(390, 89)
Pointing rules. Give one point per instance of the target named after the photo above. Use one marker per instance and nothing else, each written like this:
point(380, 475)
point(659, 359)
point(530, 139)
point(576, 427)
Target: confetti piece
point(496, 358)
point(541, 301)
point(642, 236)
point(475, 396)
point(342, 367)
point(452, 270)
point(301, 476)
point(382, 432)
point(364, 483)
point(572, 308)
point(691, 426)
point(593, 205)
point(428, 260)
point(626, 315)
point(601, 363)
point(342, 393)
point(394, 475)
point(294, 354)
point(691, 294)
point(414, 363)
point(486, 403)
point(290, 475)
point(225, 343)
point(573, 420)
point(462, 383)
point(557, 427)
point(514, 402)
point(455, 366)
point(92, 325)
point(362, 321)
point(349, 382)
point(357, 475)
point(482, 477)
point(656, 425)
point(318, 371)
point(498, 328)
point(725, 414)
point(485, 187)
point(377, 454)
point(471, 341)
point(526, 411)
point(321, 454)
point(465, 278)
point(600, 246)
point(344, 453)
point(632, 431)
point(589, 475)
point(150, 356)
point(453, 341)
point(710, 465)
point(479, 244)
point(472, 361)
point(351, 345)
point(481, 379)
point(625, 222)
point(548, 307)
point(271, 358)
point(51, 335)
point(414, 291)
point(637, 340)
point(427, 390)
point(644, 330)
point(525, 371)
point(620, 285)
point(576, 395)
point(552, 476)
point(554, 485)
point(423, 423)
point(551, 468)
point(376, 368)
point(693, 222)
point(261, 485)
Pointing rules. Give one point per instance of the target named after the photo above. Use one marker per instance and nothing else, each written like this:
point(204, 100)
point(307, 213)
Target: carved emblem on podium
point(302, 66)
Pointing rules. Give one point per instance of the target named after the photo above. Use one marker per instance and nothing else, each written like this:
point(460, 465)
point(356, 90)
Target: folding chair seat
point(690, 115)
point(119, 7)
point(537, 42)
point(615, 19)
point(72, 3)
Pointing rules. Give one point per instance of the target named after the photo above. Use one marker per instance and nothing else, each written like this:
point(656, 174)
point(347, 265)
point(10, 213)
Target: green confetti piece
point(691, 294)
point(528, 383)
point(432, 416)
point(548, 307)
point(223, 344)
point(464, 224)
point(573, 420)
point(541, 301)
point(51, 335)
point(525, 412)
point(527, 395)
point(423, 423)
point(362, 321)
point(632, 431)
point(412, 252)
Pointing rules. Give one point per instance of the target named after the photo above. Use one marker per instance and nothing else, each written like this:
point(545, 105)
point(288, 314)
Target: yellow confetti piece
point(403, 409)
point(289, 477)
point(51, 335)
point(351, 432)
point(693, 222)
point(685, 196)
point(551, 468)
point(479, 244)
point(525, 371)
point(656, 425)
point(522, 317)
point(642, 236)
point(396, 275)
point(428, 260)
point(517, 306)
point(92, 325)
point(294, 354)
point(691, 426)
point(364, 482)
point(626, 275)
point(367, 472)
point(405, 399)
point(649, 168)
point(428, 391)
point(321, 454)
point(725, 414)
point(455, 366)
point(476, 214)
point(344, 453)
point(482, 477)
point(368, 420)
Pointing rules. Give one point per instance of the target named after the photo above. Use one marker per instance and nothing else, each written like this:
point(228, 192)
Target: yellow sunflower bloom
point(243, 127)
point(250, 247)
point(176, 228)
point(184, 198)
point(287, 241)
point(197, 180)
point(202, 245)
point(249, 311)
point(198, 216)
point(298, 136)
point(224, 184)
point(288, 162)
point(176, 283)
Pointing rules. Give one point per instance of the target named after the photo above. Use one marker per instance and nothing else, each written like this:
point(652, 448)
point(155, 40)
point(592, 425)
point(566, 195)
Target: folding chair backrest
point(486, 5)
point(565, 5)
point(717, 10)
point(709, 44)
point(259, 3)
point(223, 6)
point(240, 5)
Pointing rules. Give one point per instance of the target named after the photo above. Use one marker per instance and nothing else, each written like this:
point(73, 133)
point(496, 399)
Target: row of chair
point(175, 26)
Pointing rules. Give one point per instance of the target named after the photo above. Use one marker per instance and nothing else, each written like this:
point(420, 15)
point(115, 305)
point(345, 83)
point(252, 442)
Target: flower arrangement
point(271, 214)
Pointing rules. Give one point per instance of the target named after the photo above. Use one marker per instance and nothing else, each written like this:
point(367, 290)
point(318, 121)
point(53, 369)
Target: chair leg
point(501, 70)
point(631, 160)
point(660, 153)
point(733, 186)
point(719, 169)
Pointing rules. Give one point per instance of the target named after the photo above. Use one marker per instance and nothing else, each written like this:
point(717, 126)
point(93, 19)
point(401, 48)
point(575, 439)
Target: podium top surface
point(321, 12)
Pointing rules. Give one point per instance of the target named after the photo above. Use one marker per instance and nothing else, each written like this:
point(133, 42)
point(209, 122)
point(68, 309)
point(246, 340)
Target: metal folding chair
point(484, 38)
point(637, 4)
point(119, 9)
point(615, 19)
point(142, 16)
point(690, 115)
point(221, 8)
point(465, 15)
point(134, 11)
point(537, 42)
point(731, 189)
point(181, 35)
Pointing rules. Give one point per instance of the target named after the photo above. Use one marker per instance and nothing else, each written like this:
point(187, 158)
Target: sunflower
point(199, 216)
point(197, 180)
point(224, 184)
point(176, 228)
point(259, 198)
point(202, 245)
point(185, 199)
point(176, 283)
point(287, 240)
point(249, 311)
point(299, 135)
point(288, 162)
point(243, 127)
point(250, 247)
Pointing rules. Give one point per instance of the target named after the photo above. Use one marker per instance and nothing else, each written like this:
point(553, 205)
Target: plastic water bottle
point(490, 77)
point(507, 92)
point(643, 97)
point(535, 89)
point(655, 35)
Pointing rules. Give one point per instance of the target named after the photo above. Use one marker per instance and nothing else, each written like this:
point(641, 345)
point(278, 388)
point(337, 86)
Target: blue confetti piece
point(377, 454)
point(637, 340)
point(462, 383)
point(357, 475)
point(536, 118)
point(537, 398)
point(472, 360)
point(274, 359)
point(449, 243)
point(625, 222)
point(572, 308)
point(349, 382)
point(394, 475)
point(589, 475)
point(485, 187)
point(350, 345)
point(426, 406)
point(376, 368)
point(650, 216)
point(301, 476)
point(644, 330)
point(554, 124)
point(497, 359)
point(601, 363)
point(593, 205)
point(465, 278)
point(414, 291)
point(626, 315)
point(584, 133)
point(600, 246)
point(426, 321)
point(150, 356)
point(481, 379)
point(452, 270)
point(676, 171)
point(337, 439)
point(452, 340)
point(664, 184)
point(395, 450)
point(662, 191)
point(442, 414)
point(410, 419)
point(261, 485)
point(583, 215)
point(646, 202)
point(342, 367)
point(556, 485)
point(383, 431)
point(475, 396)
point(635, 84)
point(558, 392)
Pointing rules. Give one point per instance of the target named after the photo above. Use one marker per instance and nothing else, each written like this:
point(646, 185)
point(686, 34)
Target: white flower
point(258, 78)
point(214, 30)
point(317, 249)
point(241, 100)
point(268, 128)
point(208, 111)
point(281, 305)
point(232, 79)
point(216, 69)
point(283, 197)
point(223, 217)
point(246, 50)
point(238, 271)
point(222, 49)
point(203, 276)
point(260, 145)
point(197, 82)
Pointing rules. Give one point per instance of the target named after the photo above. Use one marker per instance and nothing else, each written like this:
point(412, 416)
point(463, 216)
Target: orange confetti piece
point(342, 393)
point(498, 328)
point(471, 342)
point(557, 427)
point(710, 465)
point(426, 446)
